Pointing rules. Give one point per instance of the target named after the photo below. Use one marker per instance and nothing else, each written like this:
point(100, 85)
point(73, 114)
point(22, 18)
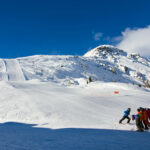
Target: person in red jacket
point(148, 116)
point(144, 118)
point(148, 113)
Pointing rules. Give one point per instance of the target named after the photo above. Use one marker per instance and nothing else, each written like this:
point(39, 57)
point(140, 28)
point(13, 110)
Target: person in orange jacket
point(138, 121)
point(139, 112)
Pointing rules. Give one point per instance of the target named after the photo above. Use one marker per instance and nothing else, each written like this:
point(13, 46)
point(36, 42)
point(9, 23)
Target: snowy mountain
point(131, 67)
point(104, 63)
point(52, 93)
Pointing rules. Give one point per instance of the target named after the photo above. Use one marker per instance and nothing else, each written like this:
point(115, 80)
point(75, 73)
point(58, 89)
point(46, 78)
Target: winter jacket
point(126, 113)
point(134, 117)
point(148, 112)
point(141, 115)
point(144, 115)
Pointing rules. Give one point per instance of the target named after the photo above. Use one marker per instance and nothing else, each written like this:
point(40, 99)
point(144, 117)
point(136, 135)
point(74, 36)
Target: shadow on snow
point(19, 136)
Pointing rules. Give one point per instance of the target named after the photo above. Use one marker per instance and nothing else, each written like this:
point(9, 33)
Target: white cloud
point(97, 36)
point(135, 41)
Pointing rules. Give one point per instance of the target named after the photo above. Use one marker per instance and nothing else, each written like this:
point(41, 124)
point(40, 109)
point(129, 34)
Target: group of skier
point(142, 118)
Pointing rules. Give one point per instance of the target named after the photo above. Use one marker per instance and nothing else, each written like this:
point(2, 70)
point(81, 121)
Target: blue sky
point(67, 27)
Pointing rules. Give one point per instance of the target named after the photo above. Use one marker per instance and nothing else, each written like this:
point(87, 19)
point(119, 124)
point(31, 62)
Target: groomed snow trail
point(13, 70)
point(3, 74)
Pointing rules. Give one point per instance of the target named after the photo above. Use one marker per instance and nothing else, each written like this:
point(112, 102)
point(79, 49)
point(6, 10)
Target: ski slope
point(46, 102)
point(3, 74)
point(94, 106)
point(13, 70)
point(10, 70)
point(44, 115)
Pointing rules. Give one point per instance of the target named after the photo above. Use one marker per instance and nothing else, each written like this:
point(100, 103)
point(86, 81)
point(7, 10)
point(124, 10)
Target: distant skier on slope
point(126, 115)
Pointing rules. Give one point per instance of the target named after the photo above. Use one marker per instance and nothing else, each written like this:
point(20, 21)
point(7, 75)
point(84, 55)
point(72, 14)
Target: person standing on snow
point(145, 118)
point(148, 117)
point(148, 114)
point(139, 110)
point(137, 118)
point(126, 115)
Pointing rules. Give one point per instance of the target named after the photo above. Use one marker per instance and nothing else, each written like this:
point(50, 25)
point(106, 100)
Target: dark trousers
point(145, 125)
point(123, 118)
point(139, 124)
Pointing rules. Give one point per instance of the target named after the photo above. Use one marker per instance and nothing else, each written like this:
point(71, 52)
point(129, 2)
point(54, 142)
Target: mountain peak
point(104, 50)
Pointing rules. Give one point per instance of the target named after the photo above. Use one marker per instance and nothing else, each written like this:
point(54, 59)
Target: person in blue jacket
point(126, 116)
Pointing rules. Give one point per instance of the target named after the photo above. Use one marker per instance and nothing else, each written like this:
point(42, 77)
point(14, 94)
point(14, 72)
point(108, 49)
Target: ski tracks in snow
point(13, 70)
point(3, 75)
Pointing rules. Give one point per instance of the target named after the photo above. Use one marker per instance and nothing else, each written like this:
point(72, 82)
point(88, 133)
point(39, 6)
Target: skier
point(148, 113)
point(126, 116)
point(138, 121)
point(145, 118)
point(139, 110)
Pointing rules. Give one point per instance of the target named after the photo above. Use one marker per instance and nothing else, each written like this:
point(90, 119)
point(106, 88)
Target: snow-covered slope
point(111, 68)
point(104, 63)
point(50, 105)
point(29, 95)
point(131, 66)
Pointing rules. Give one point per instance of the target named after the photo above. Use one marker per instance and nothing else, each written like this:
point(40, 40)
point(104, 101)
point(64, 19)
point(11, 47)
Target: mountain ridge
point(104, 63)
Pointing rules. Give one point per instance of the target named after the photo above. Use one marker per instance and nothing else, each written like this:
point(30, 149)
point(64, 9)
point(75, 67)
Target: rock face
point(120, 62)
point(104, 63)
point(104, 51)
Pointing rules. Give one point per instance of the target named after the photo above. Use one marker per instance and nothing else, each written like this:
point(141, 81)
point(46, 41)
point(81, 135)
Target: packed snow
point(47, 102)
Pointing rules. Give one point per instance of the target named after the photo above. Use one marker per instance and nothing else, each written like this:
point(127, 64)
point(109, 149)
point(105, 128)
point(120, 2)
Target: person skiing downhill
point(126, 116)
